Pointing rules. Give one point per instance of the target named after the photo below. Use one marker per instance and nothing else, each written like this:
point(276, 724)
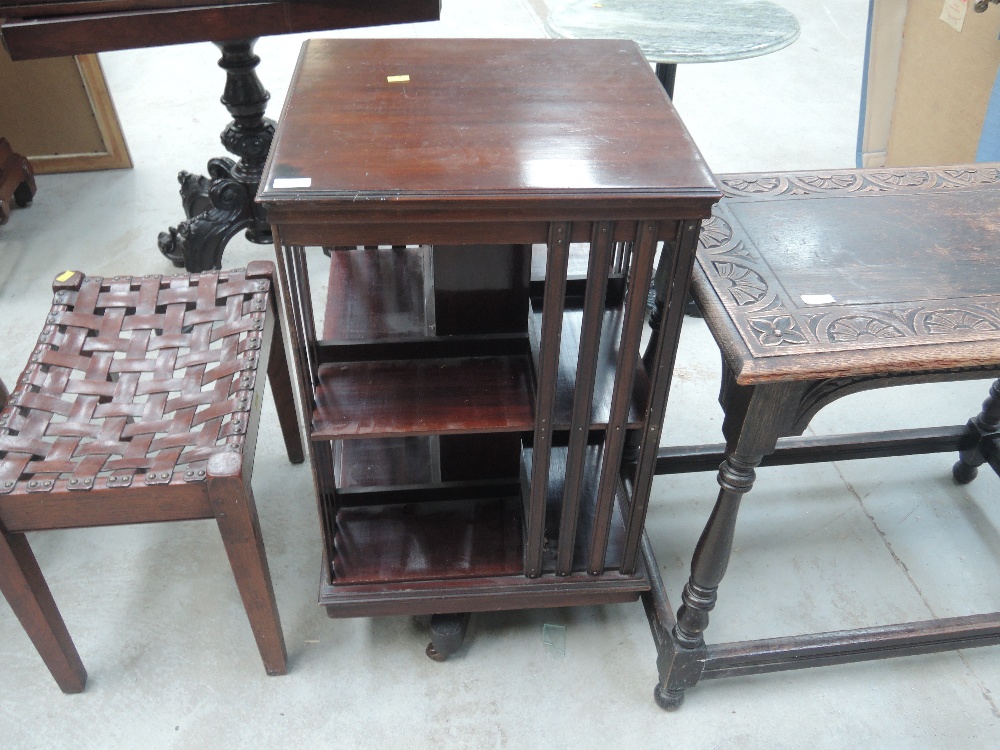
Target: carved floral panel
point(773, 324)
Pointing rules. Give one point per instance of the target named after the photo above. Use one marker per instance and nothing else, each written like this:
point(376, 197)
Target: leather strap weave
point(133, 379)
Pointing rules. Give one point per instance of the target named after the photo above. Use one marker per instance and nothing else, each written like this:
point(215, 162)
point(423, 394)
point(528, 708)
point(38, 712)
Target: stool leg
point(232, 499)
point(279, 377)
point(979, 428)
point(28, 595)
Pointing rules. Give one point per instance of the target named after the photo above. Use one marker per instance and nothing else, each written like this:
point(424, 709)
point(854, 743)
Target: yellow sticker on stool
point(65, 276)
point(397, 79)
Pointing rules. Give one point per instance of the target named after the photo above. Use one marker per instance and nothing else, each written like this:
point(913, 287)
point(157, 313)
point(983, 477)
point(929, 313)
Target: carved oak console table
point(482, 428)
point(220, 205)
point(817, 286)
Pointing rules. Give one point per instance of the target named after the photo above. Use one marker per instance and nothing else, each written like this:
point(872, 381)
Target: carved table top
point(828, 274)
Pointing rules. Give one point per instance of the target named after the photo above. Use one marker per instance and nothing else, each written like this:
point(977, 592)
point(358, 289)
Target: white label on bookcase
point(291, 182)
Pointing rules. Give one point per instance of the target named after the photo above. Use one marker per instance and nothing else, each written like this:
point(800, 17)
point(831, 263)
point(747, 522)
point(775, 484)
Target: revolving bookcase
point(482, 423)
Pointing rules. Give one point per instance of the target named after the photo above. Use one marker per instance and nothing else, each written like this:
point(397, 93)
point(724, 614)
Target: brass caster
point(433, 653)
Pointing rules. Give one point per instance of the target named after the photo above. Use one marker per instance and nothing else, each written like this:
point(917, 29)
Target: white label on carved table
point(818, 299)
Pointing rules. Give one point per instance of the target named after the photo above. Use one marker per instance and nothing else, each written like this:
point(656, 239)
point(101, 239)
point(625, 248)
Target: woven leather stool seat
point(140, 403)
point(817, 286)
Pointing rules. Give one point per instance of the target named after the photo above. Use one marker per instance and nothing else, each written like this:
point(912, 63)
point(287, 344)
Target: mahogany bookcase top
point(503, 130)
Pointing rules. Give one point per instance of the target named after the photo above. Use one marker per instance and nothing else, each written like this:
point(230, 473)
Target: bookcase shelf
point(422, 397)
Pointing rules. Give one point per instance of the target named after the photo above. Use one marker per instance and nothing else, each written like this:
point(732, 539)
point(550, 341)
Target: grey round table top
point(681, 31)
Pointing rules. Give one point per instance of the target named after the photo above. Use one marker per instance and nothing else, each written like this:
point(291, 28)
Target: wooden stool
point(17, 180)
point(817, 286)
point(141, 403)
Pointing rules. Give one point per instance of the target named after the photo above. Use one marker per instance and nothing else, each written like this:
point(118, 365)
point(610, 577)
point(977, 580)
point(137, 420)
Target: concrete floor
point(157, 619)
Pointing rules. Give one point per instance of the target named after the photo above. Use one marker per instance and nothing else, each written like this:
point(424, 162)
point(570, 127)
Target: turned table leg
point(980, 428)
point(708, 566)
point(220, 205)
point(756, 416)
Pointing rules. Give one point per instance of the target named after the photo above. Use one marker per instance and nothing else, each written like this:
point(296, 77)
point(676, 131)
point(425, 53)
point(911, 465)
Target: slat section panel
point(547, 379)
point(640, 273)
point(586, 372)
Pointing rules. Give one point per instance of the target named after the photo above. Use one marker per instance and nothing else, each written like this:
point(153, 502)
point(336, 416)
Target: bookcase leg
point(447, 634)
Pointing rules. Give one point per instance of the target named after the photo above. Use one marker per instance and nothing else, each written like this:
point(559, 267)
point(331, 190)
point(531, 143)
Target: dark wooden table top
point(513, 129)
point(49, 28)
point(827, 274)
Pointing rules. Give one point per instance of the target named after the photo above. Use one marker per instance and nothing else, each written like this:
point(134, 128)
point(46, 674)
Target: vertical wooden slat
point(627, 250)
point(295, 346)
point(598, 269)
point(547, 378)
point(297, 305)
point(430, 311)
point(619, 257)
point(322, 453)
point(299, 277)
point(326, 491)
point(660, 368)
point(640, 273)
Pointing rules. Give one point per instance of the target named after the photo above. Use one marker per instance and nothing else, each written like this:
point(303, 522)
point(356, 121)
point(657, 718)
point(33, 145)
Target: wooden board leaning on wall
point(58, 113)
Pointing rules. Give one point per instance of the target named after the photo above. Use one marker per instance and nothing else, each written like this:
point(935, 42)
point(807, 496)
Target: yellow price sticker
point(397, 79)
point(65, 276)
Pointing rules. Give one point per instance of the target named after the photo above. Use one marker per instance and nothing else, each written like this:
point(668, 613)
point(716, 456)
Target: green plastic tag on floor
point(554, 640)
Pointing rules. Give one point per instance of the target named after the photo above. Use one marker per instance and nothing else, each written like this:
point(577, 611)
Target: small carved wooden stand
point(801, 280)
point(17, 180)
point(220, 205)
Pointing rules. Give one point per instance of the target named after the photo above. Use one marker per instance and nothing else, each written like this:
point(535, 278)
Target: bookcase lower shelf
point(452, 545)
point(479, 594)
